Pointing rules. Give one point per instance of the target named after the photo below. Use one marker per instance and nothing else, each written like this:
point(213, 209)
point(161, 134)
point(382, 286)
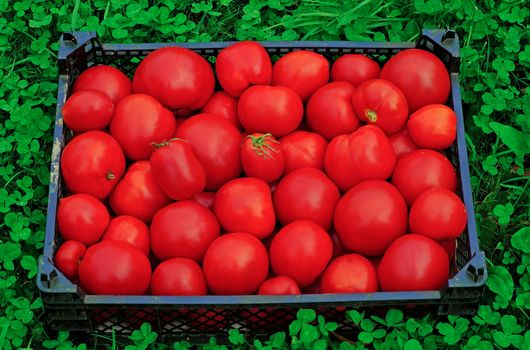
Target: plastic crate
point(69, 308)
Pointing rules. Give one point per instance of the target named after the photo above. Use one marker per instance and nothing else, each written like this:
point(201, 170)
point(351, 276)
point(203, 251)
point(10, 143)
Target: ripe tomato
point(433, 126)
point(235, 264)
point(420, 170)
point(303, 71)
point(243, 64)
point(204, 198)
point(306, 194)
point(245, 205)
point(114, 268)
point(381, 103)
point(280, 285)
point(178, 276)
point(351, 273)
point(262, 157)
point(402, 143)
point(183, 230)
point(138, 194)
point(303, 149)
point(370, 216)
point(330, 111)
point(413, 262)
point(106, 79)
point(354, 69)
point(338, 247)
point(216, 144)
point(365, 154)
point(92, 163)
point(274, 109)
point(421, 76)
point(177, 77)
point(82, 217)
point(87, 110)
point(68, 257)
point(129, 229)
point(223, 105)
point(301, 250)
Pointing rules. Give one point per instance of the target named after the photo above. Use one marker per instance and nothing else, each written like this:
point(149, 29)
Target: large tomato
point(262, 157)
point(92, 163)
point(235, 264)
point(178, 276)
point(303, 149)
point(177, 77)
point(183, 230)
point(106, 79)
point(280, 285)
point(68, 257)
point(433, 126)
point(243, 64)
point(245, 205)
point(306, 194)
point(413, 262)
point(129, 229)
point(351, 273)
point(217, 145)
point(270, 109)
point(354, 69)
point(87, 110)
point(421, 76)
point(365, 154)
point(370, 216)
point(402, 143)
point(330, 111)
point(223, 105)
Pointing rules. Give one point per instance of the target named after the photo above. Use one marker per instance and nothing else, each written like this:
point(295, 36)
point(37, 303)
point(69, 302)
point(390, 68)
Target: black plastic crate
point(68, 308)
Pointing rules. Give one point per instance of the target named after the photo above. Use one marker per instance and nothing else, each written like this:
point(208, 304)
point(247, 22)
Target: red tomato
point(129, 229)
point(338, 247)
point(280, 285)
point(82, 217)
point(303, 71)
point(114, 268)
point(178, 276)
point(402, 143)
point(413, 262)
point(433, 126)
point(204, 198)
point(330, 111)
point(354, 69)
point(306, 194)
point(223, 105)
point(365, 154)
point(216, 144)
point(177, 77)
point(450, 248)
point(420, 170)
point(370, 216)
point(87, 110)
point(106, 79)
point(68, 257)
point(270, 109)
point(243, 64)
point(178, 123)
point(421, 76)
point(245, 205)
point(351, 273)
point(301, 250)
point(235, 264)
point(381, 103)
point(303, 149)
point(138, 194)
point(183, 230)
point(92, 163)
point(262, 157)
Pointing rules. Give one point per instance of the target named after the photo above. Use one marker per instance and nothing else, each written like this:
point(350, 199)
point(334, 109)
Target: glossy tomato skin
point(433, 126)
point(217, 145)
point(68, 257)
point(279, 285)
point(421, 76)
point(138, 193)
point(177, 77)
point(235, 264)
point(354, 69)
point(109, 80)
point(351, 273)
point(330, 111)
point(92, 163)
point(301, 250)
point(402, 143)
point(303, 71)
point(365, 154)
point(413, 262)
point(178, 276)
point(262, 157)
point(223, 105)
point(82, 217)
point(306, 194)
point(243, 64)
point(270, 109)
point(381, 103)
point(420, 170)
point(370, 216)
point(87, 110)
point(114, 268)
point(129, 229)
point(204, 198)
point(303, 149)
point(245, 205)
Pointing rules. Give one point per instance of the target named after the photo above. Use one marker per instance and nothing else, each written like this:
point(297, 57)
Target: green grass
point(495, 77)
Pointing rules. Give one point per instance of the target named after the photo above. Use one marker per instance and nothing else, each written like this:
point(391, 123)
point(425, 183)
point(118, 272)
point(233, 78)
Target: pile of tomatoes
point(302, 176)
